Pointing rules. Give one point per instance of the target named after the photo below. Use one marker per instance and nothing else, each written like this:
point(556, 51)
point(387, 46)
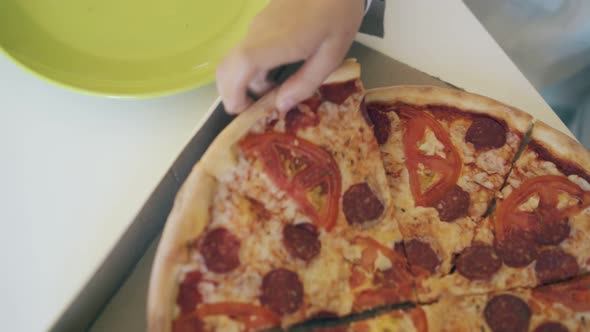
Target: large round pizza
point(470, 212)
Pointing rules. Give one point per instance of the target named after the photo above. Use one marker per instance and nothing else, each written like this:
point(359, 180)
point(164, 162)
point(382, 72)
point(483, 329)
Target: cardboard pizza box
point(114, 298)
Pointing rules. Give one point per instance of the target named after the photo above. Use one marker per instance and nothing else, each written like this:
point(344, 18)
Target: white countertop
point(76, 169)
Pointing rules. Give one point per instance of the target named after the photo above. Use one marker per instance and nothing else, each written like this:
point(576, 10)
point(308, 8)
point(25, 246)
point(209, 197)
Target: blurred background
point(549, 40)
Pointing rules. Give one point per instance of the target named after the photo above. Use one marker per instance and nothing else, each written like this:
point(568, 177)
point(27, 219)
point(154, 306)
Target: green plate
point(123, 48)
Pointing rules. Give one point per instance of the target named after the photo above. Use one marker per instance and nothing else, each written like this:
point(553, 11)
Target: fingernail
point(286, 104)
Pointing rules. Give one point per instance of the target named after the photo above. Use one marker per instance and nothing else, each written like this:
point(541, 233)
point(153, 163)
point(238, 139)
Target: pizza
point(554, 308)
point(273, 225)
point(355, 201)
point(538, 231)
point(446, 154)
point(542, 221)
point(456, 243)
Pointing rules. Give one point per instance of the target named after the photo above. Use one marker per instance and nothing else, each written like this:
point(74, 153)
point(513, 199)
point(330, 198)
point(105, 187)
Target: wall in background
point(549, 40)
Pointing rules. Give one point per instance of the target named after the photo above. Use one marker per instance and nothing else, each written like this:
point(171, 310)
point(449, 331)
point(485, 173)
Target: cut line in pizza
point(410, 208)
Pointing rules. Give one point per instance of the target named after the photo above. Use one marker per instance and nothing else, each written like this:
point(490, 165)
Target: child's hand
point(286, 31)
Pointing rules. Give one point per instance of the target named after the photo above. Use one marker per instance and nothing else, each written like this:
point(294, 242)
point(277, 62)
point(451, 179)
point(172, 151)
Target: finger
point(236, 72)
point(233, 75)
point(260, 84)
point(309, 77)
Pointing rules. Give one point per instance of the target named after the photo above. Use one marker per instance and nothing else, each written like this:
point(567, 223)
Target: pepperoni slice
point(420, 254)
point(302, 241)
point(507, 313)
point(554, 265)
point(486, 133)
point(453, 205)
point(313, 103)
point(295, 120)
point(188, 293)
point(282, 291)
point(360, 204)
point(338, 92)
point(381, 125)
point(221, 250)
point(517, 249)
point(478, 262)
point(552, 233)
point(188, 324)
point(399, 249)
point(551, 327)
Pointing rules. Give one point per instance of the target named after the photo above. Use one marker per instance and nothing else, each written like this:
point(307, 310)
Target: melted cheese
point(580, 182)
point(491, 162)
point(326, 278)
point(564, 200)
point(382, 263)
point(393, 321)
point(427, 177)
point(222, 323)
point(483, 180)
point(352, 253)
point(430, 145)
point(530, 205)
point(548, 168)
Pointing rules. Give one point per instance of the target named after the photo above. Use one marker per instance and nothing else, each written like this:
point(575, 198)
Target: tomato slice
point(306, 172)
point(369, 254)
point(574, 294)
point(188, 323)
point(508, 218)
point(448, 168)
point(253, 317)
point(372, 298)
point(389, 286)
point(419, 319)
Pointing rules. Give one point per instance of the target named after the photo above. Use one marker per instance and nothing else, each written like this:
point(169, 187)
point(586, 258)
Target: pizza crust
point(473, 103)
point(187, 220)
point(349, 70)
point(561, 146)
point(191, 211)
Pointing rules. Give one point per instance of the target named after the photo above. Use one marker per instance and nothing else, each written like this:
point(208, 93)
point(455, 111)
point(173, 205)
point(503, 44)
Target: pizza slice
point(536, 310)
point(537, 232)
point(540, 227)
point(559, 307)
point(446, 154)
point(276, 223)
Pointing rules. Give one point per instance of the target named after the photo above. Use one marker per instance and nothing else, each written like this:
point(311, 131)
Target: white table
point(75, 169)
